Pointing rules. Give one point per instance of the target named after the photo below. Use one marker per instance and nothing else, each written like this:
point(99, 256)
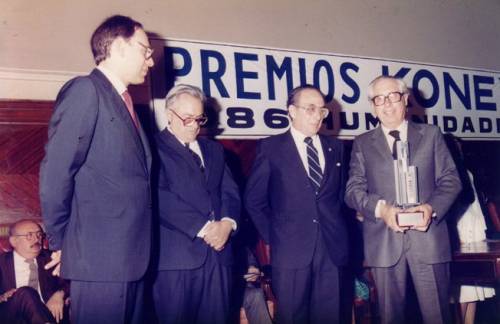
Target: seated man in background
point(254, 301)
point(28, 292)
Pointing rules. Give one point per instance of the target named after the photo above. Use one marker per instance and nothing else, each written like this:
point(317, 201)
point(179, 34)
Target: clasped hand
point(217, 234)
point(389, 215)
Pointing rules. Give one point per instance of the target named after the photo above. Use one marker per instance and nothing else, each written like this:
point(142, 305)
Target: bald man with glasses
point(199, 207)
point(28, 292)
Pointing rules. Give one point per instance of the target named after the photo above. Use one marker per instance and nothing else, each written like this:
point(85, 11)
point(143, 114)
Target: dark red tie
point(130, 107)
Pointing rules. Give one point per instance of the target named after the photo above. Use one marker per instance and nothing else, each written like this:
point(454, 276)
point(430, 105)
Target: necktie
point(196, 158)
point(33, 276)
point(315, 173)
point(130, 107)
point(395, 134)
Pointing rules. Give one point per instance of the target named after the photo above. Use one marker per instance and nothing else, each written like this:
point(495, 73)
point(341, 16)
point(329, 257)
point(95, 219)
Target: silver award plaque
point(405, 176)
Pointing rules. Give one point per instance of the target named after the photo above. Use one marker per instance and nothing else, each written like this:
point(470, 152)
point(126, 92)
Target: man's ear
point(169, 116)
point(292, 111)
point(13, 241)
point(374, 110)
point(405, 99)
point(117, 47)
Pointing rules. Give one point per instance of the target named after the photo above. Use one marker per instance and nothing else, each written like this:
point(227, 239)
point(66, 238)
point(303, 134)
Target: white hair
point(401, 84)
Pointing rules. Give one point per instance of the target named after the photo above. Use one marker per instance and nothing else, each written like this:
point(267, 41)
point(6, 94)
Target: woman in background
point(469, 226)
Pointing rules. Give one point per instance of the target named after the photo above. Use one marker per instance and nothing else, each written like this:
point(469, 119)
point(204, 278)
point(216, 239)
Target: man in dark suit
point(199, 207)
point(95, 179)
point(28, 292)
point(389, 248)
point(294, 196)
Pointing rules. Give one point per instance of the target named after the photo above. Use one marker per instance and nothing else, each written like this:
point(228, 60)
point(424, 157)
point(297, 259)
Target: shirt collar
point(298, 137)
point(115, 81)
point(19, 258)
point(191, 144)
point(402, 128)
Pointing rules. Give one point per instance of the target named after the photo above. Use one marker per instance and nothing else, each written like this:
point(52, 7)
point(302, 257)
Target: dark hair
point(292, 96)
point(108, 31)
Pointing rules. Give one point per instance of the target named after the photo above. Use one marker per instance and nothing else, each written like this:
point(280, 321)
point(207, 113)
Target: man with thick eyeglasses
point(95, 180)
point(294, 196)
point(199, 207)
point(389, 249)
point(28, 292)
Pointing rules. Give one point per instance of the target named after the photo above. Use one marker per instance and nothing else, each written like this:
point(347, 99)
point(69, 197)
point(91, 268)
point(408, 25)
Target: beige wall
point(53, 35)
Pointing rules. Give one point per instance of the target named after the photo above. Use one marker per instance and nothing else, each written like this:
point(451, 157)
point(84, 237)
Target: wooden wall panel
point(23, 133)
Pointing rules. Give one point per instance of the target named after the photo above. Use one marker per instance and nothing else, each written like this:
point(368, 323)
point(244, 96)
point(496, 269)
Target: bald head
point(25, 236)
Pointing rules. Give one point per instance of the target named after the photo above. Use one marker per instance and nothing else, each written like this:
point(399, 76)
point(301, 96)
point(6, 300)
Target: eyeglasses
point(313, 110)
point(188, 121)
point(32, 235)
point(148, 50)
point(393, 97)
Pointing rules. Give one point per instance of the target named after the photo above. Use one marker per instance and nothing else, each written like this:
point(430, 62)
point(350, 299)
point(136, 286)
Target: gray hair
point(180, 89)
point(401, 84)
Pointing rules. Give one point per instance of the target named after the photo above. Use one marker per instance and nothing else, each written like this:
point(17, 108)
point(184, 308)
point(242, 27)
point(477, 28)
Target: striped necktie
point(315, 173)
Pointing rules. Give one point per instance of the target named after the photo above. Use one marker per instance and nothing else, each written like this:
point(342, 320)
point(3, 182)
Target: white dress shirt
point(195, 147)
point(298, 138)
point(22, 271)
point(403, 133)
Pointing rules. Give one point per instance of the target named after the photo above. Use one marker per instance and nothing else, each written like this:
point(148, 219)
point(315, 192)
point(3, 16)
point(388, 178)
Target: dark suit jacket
point(94, 184)
point(188, 199)
point(284, 208)
point(49, 284)
point(371, 177)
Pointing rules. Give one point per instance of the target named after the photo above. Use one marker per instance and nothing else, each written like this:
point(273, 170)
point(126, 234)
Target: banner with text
point(248, 87)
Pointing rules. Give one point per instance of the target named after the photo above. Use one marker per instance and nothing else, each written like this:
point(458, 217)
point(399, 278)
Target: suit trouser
point(255, 305)
point(25, 306)
point(310, 294)
point(199, 295)
point(106, 302)
point(431, 282)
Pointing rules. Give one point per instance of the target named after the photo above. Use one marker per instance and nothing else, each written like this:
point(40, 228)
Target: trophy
point(406, 180)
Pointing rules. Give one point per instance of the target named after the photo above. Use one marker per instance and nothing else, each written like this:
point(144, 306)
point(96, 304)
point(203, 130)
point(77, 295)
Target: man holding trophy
point(402, 179)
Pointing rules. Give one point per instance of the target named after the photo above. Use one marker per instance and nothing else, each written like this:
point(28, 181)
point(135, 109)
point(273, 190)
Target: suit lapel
point(380, 143)
point(121, 110)
point(10, 277)
point(42, 277)
point(414, 138)
point(172, 142)
point(329, 155)
point(291, 156)
point(147, 150)
point(207, 157)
